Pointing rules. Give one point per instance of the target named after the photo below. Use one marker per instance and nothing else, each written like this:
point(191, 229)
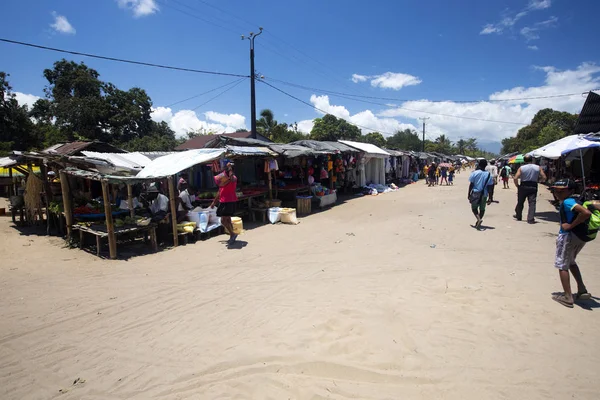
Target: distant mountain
point(492, 147)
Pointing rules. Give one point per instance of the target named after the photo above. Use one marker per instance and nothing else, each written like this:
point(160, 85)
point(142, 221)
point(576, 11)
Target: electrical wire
point(77, 53)
point(218, 95)
point(208, 21)
point(419, 100)
point(318, 109)
point(207, 92)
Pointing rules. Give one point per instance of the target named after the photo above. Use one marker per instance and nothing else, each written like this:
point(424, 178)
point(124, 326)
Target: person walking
point(493, 170)
point(505, 175)
point(568, 245)
point(477, 194)
point(451, 176)
point(444, 173)
point(426, 173)
point(431, 174)
point(529, 174)
point(227, 200)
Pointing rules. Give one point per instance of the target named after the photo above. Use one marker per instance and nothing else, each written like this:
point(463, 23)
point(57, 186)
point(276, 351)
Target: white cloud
point(509, 20)
point(184, 121)
point(140, 8)
point(539, 4)
point(61, 24)
point(359, 78)
point(395, 81)
point(579, 80)
point(26, 99)
point(532, 32)
point(367, 120)
point(533, 48)
point(306, 125)
point(388, 80)
point(236, 121)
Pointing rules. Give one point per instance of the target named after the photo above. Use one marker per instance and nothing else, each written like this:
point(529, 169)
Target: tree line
point(78, 105)
point(547, 126)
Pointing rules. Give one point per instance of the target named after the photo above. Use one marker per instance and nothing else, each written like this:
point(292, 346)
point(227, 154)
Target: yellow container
point(238, 226)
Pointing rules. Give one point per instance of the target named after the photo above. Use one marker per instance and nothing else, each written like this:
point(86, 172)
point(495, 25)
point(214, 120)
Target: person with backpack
point(478, 191)
point(572, 236)
point(505, 175)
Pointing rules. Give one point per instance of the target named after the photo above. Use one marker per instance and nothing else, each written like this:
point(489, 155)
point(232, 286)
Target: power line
point(77, 53)
point(208, 21)
point(219, 94)
point(431, 112)
point(318, 109)
point(420, 100)
point(207, 92)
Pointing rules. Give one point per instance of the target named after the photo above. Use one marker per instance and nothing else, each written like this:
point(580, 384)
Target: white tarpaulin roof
point(7, 162)
point(122, 160)
point(368, 148)
point(177, 162)
point(562, 146)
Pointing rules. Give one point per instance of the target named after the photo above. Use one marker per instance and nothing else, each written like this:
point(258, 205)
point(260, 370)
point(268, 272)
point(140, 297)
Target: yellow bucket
point(238, 226)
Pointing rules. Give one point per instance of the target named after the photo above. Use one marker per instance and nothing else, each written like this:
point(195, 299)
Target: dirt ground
point(387, 297)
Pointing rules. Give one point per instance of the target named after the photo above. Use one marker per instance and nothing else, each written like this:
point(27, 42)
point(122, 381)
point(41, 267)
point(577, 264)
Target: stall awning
point(292, 150)
point(97, 176)
point(563, 146)
point(173, 163)
point(249, 151)
point(7, 162)
point(121, 160)
point(368, 148)
point(327, 147)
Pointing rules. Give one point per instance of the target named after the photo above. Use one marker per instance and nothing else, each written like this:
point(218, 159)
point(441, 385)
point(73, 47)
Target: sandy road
point(386, 297)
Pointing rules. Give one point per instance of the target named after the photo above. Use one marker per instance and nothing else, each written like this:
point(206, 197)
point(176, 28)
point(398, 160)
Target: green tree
point(375, 138)
point(161, 138)
point(16, 129)
point(284, 133)
point(461, 146)
point(266, 123)
point(331, 128)
point(128, 113)
point(407, 140)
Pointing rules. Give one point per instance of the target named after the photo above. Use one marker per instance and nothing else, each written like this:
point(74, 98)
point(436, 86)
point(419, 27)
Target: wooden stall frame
point(67, 203)
point(110, 227)
point(173, 203)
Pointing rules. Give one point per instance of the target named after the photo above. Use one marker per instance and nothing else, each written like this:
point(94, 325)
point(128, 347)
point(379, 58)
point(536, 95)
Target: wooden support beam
point(110, 227)
point(67, 203)
point(173, 202)
point(130, 200)
point(47, 195)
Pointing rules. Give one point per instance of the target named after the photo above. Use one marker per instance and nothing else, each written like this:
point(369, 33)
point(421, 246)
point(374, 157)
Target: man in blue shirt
point(568, 245)
point(478, 191)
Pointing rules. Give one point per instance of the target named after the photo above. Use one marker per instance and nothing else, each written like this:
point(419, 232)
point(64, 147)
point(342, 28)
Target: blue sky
point(405, 50)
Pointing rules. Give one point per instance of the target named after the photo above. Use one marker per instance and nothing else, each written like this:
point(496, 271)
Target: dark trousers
point(529, 192)
point(491, 192)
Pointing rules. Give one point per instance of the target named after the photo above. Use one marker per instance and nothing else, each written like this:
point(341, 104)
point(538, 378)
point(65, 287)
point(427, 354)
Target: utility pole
point(424, 119)
point(251, 38)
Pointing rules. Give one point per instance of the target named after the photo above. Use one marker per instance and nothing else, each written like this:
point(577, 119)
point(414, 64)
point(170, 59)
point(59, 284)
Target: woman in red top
point(227, 200)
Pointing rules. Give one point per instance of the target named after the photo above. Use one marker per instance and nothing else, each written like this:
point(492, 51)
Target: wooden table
point(295, 190)
point(100, 234)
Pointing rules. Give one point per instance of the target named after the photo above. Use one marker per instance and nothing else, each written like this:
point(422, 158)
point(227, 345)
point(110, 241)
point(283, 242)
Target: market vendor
point(156, 203)
point(185, 204)
point(227, 199)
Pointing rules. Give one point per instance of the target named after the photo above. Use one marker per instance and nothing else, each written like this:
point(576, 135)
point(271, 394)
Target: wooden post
point(67, 204)
point(130, 200)
point(110, 227)
point(12, 191)
point(173, 202)
point(270, 187)
point(47, 195)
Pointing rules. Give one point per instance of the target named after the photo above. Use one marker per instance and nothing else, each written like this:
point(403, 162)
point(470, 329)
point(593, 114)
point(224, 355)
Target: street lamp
point(251, 38)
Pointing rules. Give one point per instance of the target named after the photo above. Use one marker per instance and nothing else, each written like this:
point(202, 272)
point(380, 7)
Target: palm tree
point(266, 123)
point(461, 145)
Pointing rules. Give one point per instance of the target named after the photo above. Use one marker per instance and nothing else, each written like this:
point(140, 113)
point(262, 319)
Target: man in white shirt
point(185, 203)
point(157, 203)
point(493, 170)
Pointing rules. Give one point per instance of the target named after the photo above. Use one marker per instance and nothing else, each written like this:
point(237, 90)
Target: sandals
point(562, 299)
point(583, 296)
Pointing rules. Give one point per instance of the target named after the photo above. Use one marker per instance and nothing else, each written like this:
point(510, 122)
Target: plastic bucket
point(274, 215)
point(238, 226)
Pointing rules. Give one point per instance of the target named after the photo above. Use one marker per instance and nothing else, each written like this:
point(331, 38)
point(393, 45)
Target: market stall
point(371, 162)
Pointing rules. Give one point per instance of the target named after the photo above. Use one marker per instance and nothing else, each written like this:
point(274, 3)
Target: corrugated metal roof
point(200, 142)
point(589, 117)
point(74, 148)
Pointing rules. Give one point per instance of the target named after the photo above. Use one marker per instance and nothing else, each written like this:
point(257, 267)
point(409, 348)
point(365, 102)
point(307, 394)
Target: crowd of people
point(574, 231)
point(440, 174)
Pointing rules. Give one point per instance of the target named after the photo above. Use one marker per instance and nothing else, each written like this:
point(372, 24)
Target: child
point(451, 176)
point(568, 245)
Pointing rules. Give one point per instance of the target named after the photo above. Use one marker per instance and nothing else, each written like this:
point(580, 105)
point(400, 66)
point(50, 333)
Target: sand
point(387, 297)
